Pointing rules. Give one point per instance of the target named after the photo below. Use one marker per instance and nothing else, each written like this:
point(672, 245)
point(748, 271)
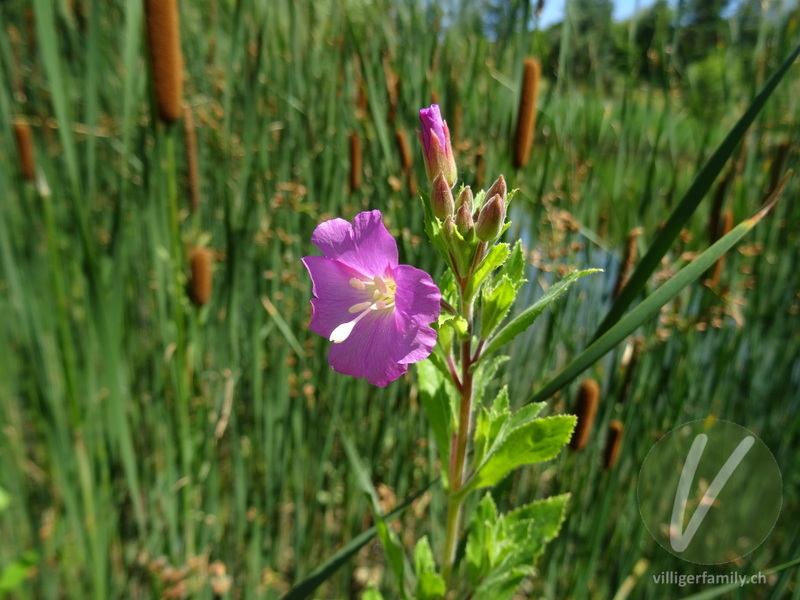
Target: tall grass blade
point(691, 200)
point(654, 302)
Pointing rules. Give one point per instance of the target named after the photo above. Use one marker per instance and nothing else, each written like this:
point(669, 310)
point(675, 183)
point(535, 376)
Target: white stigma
point(381, 297)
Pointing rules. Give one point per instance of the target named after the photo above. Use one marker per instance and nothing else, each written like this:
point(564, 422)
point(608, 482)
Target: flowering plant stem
point(458, 449)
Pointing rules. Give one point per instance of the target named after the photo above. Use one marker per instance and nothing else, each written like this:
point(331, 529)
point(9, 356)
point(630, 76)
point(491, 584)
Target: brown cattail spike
point(585, 410)
point(355, 162)
point(200, 283)
point(163, 38)
point(526, 119)
point(192, 170)
point(727, 225)
point(628, 260)
point(405, 150)
point(613, 441)
point(22, 132)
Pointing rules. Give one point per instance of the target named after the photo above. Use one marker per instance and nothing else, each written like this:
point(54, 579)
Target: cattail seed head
point(355, 161)
point(192, 170)
point(405, 150)
point(166, 62)
point(526, 118)
point(628, 261)
point(613, 441)
point(585, 410)
point(27, 168)
point(200, 282)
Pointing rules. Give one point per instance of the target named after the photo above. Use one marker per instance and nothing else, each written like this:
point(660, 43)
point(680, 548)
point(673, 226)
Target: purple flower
point(377, 313)
point(438, 151)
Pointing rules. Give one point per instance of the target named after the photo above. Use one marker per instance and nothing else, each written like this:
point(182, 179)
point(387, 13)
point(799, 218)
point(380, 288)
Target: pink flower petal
point(417, 298)
point(365, 245)
point(381, 347)
point(334, 294)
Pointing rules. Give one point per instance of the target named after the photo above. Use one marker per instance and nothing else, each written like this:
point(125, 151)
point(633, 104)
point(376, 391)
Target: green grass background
point(134, 426)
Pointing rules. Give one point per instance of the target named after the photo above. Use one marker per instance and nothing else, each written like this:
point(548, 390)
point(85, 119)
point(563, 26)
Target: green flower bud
point(465, 197)
point(498, 188)
point(441, 198)
point(464, 222)
point(491, 219)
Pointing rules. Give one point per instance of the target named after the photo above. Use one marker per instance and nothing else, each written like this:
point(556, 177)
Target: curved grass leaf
point(525, 319)
point(305, 588)
point(649, 307)
point(694, 195)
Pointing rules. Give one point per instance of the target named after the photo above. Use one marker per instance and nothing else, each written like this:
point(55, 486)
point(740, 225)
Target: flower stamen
point(381, 295)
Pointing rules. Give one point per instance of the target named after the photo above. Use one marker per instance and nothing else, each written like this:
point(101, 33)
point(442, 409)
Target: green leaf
point(524, 320)
point(535, 441)
point(690, 201)
point(495, 258)
point(5, 499)
point(371, 593)
point(480, 541)
point(653, 303)
point(391, 545)
point(498, 298)
point(484, 375)
point(15, 574)
point(305, 588)
point(438, 407)
point(501, 550)
point(489, 424)
point(430, 585)
point(395, 556)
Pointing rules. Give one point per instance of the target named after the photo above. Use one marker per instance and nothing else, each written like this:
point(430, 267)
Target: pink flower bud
point(441, 198)
point(491, 219)
point(438, 151)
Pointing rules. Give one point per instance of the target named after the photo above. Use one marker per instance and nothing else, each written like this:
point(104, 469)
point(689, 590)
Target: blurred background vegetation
point(152, 448)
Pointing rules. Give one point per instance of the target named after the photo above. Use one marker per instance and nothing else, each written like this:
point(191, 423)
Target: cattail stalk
point(27, 167)
point(613, 441)
point(628, 261)
point(166, 63)
point(355, 162)
point(781, 152)
point(526, 119)
point(727, 225)
point(585, 410)
point(405, 150)
point(200, 283)
point(192, 170)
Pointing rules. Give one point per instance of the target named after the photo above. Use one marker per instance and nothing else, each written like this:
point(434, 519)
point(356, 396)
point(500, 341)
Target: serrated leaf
point(545, 516)
point(494, 259)
point(501, 551)
point(488, 425)
point(436, 402)
point(530, 443)
point(498, 298)
point(524, 320)
point(434, 229)
point(480, 541)
point(496, 301)
point(430, 585)
point(483, 375)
